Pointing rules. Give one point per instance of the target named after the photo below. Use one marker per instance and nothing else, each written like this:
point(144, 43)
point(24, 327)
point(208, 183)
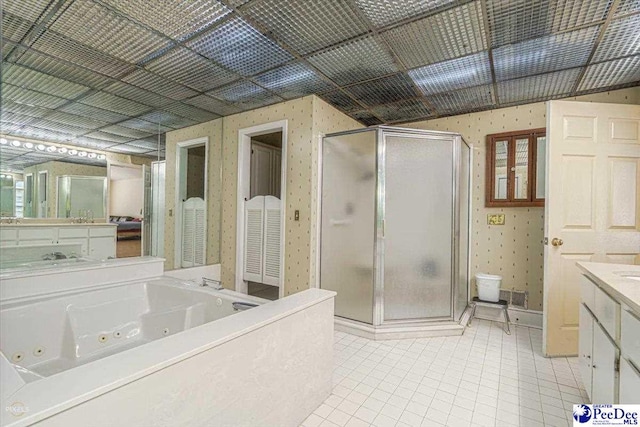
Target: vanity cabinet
point(609, 347)
point(96, 240)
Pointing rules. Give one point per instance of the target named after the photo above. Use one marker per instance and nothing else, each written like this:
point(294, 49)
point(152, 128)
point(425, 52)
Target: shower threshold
point(399, 330)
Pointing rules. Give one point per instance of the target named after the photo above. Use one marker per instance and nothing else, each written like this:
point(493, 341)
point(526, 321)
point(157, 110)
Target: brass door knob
point(556, 242)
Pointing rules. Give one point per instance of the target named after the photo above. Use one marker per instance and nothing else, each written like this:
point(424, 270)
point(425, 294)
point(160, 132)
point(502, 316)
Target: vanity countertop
point(611, 277)
point(59, 224)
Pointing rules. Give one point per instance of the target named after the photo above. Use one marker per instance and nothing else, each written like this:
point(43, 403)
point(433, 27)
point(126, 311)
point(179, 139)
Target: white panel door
point(272, 232)
point(592, 207)
point(586, 346)
point(603, 386)
point(254, 235)
point(629, 382)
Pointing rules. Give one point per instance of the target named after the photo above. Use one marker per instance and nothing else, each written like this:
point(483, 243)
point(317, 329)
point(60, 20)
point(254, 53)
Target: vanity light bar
point(52, 149)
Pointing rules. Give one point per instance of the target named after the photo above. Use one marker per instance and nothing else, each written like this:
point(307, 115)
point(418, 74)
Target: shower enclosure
point(395, 225)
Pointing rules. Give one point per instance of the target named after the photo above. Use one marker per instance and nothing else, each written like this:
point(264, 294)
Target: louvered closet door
point(271, 266)
point(253, 234)
point(194, 232)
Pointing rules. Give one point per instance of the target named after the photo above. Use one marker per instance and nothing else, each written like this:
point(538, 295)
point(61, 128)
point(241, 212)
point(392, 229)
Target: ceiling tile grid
point(115, 72)
point(355, 61)
point(472, 70)
point(307, 26)
point(453, 33)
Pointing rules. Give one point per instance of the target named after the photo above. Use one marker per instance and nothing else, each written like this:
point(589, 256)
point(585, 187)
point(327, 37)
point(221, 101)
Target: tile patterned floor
point(483, 378)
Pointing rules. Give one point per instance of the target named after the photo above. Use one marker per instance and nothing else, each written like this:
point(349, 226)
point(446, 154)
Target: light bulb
point(92, 155)
point(28, 145)
point(101, 157)
point(51, 149)
point(82, 154)
point(62, 150)
point(41, 147)
point(15, 143)
point(3, 141)
point(73, 152)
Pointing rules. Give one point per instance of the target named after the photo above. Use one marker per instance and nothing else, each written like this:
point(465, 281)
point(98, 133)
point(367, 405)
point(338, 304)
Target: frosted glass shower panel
point(79, 194)
point(348, 222)
point(418, 199)
point(464, 177)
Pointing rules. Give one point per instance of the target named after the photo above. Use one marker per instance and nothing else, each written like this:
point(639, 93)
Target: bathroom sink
point(629, 275)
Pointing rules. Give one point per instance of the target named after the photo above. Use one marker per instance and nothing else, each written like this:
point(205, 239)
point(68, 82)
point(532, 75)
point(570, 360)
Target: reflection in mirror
point(82, 197)
point(521, 168)
point(500, 161)
point(7, 195)
point(541, 150)
point(28, 195)
point(43, 184)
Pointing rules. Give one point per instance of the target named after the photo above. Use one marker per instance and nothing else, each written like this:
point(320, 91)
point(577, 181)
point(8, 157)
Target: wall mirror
point(515, 169)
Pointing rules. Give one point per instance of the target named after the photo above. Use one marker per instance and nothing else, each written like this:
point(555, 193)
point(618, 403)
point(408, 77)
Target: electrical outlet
point(296, 215)
point(495, 219)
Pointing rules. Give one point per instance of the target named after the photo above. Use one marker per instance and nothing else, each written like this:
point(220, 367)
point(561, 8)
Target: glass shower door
point(418, 227)
point(348, 222)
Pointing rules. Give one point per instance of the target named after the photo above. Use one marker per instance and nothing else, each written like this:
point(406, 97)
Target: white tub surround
point(17, 285)
point(97, 240)
point(609, 346)
point(196, 273)
point(269, 365)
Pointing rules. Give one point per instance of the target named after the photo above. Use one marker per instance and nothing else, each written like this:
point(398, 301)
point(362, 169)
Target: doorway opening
point(261, 194)
point(126, 208)
point(191, 203)
point(43, 188)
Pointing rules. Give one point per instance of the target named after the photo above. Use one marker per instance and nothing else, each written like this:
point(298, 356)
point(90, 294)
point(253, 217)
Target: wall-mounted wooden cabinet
point(515, 174)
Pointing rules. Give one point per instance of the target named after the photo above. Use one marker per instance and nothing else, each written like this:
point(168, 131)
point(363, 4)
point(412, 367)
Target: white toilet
point(488, 287)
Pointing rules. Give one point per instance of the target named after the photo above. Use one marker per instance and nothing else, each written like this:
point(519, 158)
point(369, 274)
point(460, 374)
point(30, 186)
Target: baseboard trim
point(394, 332)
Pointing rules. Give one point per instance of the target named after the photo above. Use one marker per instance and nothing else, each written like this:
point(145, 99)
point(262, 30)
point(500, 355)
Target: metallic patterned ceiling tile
point(549, 53)
point(17, 118)
point(518, 20)
point(366, 118)
point(212, 105)
point(6, 47)
point(35, 80)
point(462, 100)
point(31, 10)
point(168, 119)
point(75, 120)
point(382, 13)
point(239, 47)
point(341, 101)
point(108, 137)
point(94, 112)
point(307, 26)
point(30, 97)
point(149, 143)
point(42, 134)
point(137, 94)
point(90, 143)
point(191, 69)
point(13, 27)
point(177, 19)
point(106, 101)
point(158, 84)
point(412, 109)
point(27, 110)
point(537, 88)
point(60, 127)
point(191, 112)
point(453, 33)
point(621, 38)
point(144, 125)
point(472, 70)
point(385, 90)
point(127, 149)
point(245, 95)
point(293, 81)
point(627, 6)
point(611, 73)
point(61, 69)
point(124, 131)
point(102, 29)
point(62, 47)
point(355, 61)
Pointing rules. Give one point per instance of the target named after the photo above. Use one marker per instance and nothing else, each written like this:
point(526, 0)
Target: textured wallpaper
point(514, 250)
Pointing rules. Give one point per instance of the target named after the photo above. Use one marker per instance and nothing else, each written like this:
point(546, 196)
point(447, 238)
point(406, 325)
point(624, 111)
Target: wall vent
point(515, 298)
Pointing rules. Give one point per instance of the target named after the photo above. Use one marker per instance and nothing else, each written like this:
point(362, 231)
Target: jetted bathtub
point(59, 333)
point(163, 352)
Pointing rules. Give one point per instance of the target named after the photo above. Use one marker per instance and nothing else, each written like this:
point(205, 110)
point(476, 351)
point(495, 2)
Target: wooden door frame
point(243, 191)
